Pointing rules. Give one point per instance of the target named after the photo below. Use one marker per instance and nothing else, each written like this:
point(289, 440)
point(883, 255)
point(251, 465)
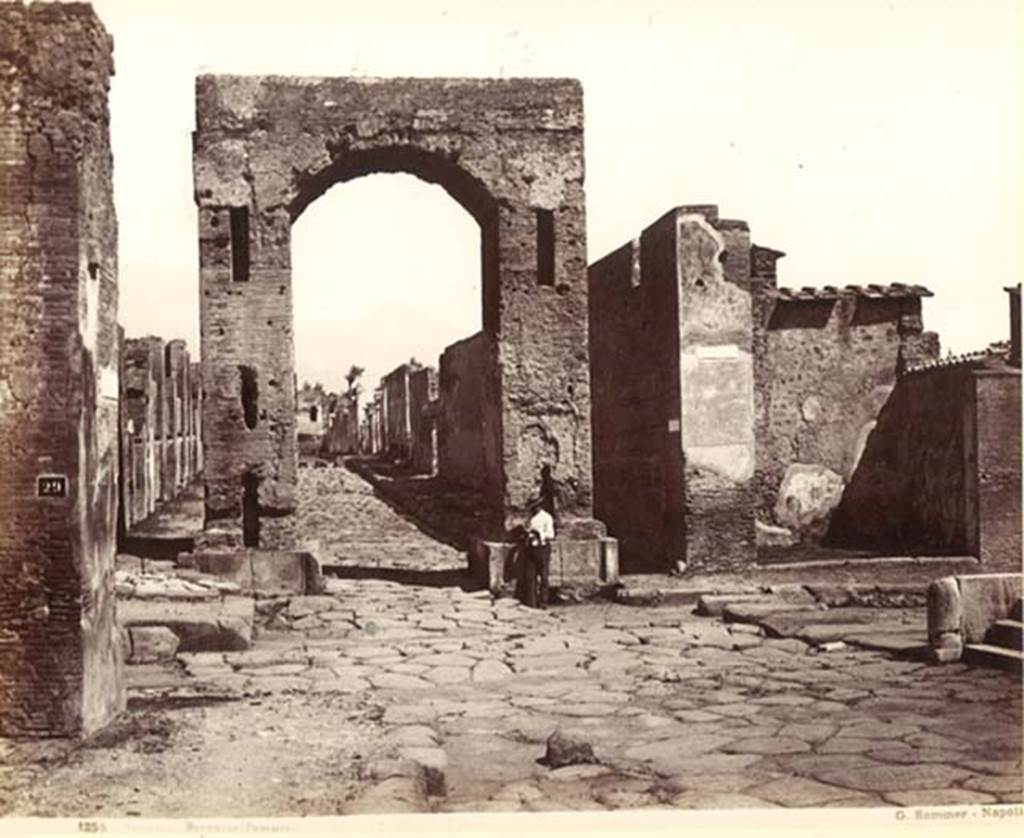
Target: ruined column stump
point(60, 652)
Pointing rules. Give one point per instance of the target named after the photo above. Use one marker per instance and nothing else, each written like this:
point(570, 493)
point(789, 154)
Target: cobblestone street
point(388, 697)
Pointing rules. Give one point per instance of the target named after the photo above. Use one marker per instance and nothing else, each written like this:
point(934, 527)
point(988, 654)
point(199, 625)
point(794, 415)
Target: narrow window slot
point(239, 243)
point(545, 247)
point(250, 510)
point(250, 395)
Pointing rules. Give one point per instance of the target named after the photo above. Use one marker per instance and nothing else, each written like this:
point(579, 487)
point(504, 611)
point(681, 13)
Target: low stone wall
point(961, 609)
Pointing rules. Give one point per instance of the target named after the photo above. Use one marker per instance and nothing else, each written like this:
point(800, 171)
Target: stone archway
point(510, 152)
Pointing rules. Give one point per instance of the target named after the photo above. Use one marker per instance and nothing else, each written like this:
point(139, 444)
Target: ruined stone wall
point(60, 653)
point(828, 363)
point(141, 377)
point(173, 476)
point(635, 404)
point(998, 422)
point(196, 418)
point(160, 395)
point(461, 383)
point(717, 396)
point(671, 366)
point(940, 470)
point(342, 436)
point(509, 151)
point(423, 394)
point(398, 422)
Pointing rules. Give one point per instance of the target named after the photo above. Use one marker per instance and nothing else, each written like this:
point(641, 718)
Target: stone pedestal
point(268, 572)
point(575, 563)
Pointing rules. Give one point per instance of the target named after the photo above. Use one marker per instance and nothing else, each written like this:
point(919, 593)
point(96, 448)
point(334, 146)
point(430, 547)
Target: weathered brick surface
point(60, 654)
point(510, 151)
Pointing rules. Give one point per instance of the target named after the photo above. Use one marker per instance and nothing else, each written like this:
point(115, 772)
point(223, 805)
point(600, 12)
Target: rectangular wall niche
point(239, 243)
point(250, 510)
point(545, 247)
point(250, 395)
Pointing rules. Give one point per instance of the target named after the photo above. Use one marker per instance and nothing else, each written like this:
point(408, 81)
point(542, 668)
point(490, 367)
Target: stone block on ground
point(434, 763)
point(152, 644)
point(807, 495)
point(269, 572)
point(985, 598)
point(566, 748)
point(395, 795)
point(221, 626)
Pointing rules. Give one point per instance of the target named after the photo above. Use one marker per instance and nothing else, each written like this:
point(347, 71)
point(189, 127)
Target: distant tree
point(351, 379)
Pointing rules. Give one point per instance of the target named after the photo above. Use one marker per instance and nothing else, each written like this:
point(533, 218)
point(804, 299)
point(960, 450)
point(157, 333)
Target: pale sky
point(872, 141)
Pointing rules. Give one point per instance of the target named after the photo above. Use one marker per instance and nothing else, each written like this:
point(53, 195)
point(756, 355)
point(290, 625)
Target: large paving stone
point(393, 681)
point(671, 756)
point(889, 778)
point(938, 797)
point(718, 800)
point(800, 791)
point(766, 745)
point(995, 784)
point(224, 625)
point(487, 671)
point(447, 674)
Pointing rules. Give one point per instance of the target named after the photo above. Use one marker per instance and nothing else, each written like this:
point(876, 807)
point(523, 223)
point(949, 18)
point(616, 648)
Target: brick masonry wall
point(635, 391)
point(60, 653)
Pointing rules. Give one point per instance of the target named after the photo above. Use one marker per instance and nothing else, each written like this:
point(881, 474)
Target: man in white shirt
point(540, 531)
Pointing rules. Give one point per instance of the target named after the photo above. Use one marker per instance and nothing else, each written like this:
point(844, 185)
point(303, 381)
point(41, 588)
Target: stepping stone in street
point(767, 745)
point(800, 791)
point(392, 681)
point(891, 778)
point(490, 670)
point(937, 797)
point(448, 674)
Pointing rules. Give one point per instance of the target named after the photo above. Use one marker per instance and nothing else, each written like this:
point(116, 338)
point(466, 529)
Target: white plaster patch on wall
point(90, 317)
point(728, 350)
point(718, 409)
point(109, 383)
